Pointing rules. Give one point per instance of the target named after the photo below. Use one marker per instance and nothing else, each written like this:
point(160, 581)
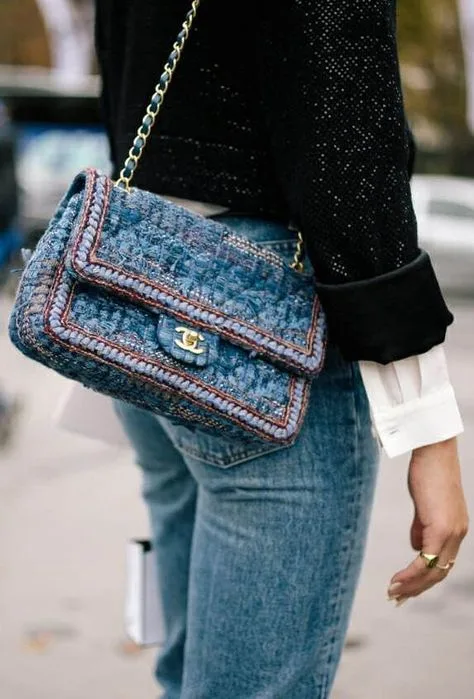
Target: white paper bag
point(90, 414)
point(143, 610)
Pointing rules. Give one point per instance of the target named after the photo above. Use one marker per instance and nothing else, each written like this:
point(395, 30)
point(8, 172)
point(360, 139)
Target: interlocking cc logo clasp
point(189, 340)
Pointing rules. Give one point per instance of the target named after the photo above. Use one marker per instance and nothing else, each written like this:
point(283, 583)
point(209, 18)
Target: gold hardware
point(430, 559)
point(297, 263)
point(154, 108)
point(190, 340)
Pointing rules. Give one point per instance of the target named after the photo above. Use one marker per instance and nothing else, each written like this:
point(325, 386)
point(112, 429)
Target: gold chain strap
point(153, 110)
point(156, 102)
point(298, 258)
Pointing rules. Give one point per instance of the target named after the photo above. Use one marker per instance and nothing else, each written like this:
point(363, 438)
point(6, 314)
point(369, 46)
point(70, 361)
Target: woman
point(282, 112)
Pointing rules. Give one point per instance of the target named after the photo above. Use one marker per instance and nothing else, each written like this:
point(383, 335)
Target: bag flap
point(158, 254)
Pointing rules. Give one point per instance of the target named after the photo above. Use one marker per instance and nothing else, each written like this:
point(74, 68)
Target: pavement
point(68, 505)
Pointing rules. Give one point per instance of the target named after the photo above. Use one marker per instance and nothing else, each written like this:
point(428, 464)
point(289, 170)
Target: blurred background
point(69, 504)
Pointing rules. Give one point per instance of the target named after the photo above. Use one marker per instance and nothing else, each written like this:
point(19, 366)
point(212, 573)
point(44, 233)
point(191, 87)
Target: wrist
point(443, 446)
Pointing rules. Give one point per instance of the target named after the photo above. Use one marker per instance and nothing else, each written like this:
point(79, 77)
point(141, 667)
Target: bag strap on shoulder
point(156, 101)
point(153, 110)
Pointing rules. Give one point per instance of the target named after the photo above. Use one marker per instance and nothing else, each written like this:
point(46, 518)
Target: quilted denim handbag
point(138, 298)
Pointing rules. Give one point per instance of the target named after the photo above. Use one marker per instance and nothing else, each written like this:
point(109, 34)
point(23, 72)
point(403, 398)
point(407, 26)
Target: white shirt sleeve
point(412, 401)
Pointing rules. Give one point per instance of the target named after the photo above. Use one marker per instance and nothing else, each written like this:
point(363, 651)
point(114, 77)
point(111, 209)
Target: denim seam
point(209, 604)
point(346, 551)
point(338, 597)
point(221, 462)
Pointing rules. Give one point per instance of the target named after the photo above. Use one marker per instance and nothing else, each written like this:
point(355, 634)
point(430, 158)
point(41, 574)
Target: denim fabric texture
point(120, 282)
point(259, 548)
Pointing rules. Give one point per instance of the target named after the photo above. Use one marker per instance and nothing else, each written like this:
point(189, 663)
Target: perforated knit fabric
point(290, 110)
point(329, 115)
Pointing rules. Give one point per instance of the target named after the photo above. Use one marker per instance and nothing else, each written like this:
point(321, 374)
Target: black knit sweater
point(290, 110)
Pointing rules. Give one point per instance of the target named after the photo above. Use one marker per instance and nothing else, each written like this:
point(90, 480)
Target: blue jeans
point(259, 548)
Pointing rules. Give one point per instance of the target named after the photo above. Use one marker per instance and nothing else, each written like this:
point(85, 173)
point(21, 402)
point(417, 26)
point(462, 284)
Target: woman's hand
point(441, 520)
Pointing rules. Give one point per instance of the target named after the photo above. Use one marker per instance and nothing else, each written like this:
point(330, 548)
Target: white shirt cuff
point(412, 402)
point(418, 423)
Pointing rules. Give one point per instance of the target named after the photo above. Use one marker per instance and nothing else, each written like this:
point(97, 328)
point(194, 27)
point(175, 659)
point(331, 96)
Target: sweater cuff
point(390, 317)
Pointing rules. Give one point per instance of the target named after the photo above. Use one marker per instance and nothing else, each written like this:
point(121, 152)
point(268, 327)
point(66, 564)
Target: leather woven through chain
point(153, 109)
point(157, 99)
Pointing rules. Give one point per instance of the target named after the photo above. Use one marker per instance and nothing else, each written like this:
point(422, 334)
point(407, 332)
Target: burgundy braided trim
point(175, 372)
point(93, 259)
point(170, 391)
point(67, 324)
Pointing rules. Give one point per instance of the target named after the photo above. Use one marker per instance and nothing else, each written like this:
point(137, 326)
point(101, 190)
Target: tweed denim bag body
point(142, 300)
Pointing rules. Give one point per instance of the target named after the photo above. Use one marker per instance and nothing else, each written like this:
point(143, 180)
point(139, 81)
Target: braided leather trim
point(307, 358)
point(61, 330)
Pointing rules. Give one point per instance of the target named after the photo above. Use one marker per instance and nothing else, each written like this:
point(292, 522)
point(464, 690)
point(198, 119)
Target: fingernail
point(393, 588)
point(401, 601)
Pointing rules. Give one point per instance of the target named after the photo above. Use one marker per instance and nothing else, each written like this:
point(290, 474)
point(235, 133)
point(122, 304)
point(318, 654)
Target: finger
point(418, 577)
point(433, 577)
point(416, 534)
point(409, 580)
point(450, 552)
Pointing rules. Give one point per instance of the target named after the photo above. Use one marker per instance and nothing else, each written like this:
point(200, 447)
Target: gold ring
point(451, 562)
point(448, 566)
point(430, 559)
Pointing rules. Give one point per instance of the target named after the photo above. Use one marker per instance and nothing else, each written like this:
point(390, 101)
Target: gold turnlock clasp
point(190, 340)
